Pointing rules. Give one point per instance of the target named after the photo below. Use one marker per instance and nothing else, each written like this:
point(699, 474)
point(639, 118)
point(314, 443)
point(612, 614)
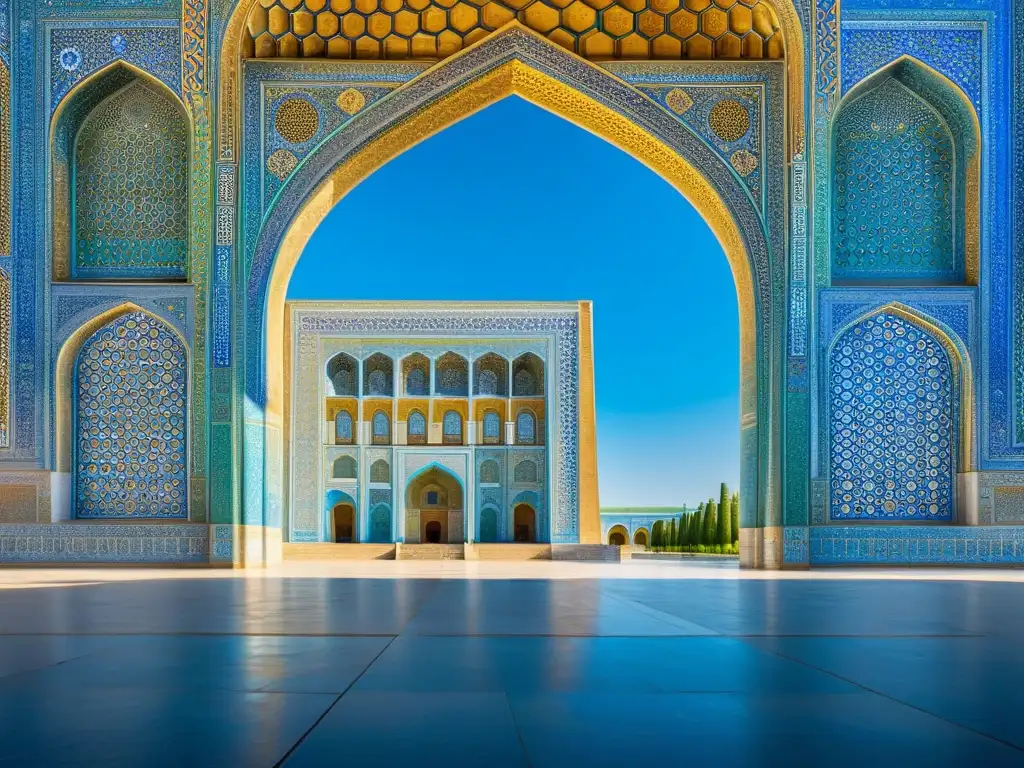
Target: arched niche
point(528, 376)
point(490, 375)
point(123, 387)
point(416, 375)
point(452, 375)
point(119, 158)
point(345, 468)
point(899, 409)
point(380, 471)
point(490, 472)
point(905, 159)
point(378, 376)
point(343, 376)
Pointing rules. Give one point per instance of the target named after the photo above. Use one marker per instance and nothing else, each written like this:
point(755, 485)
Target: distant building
point(632, 525)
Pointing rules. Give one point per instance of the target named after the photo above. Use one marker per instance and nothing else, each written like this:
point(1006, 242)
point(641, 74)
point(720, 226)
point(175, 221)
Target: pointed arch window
point(343, 428)
point(526, 432)
point(417, 425)
point(492, 428)
point(452, 428)
point(381, 428)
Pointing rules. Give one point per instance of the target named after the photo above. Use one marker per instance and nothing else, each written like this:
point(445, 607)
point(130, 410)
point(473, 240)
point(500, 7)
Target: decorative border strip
point(103, 543)
point(916, 545)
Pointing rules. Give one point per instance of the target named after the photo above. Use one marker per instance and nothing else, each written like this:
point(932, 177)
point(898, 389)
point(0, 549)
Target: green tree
point(735, 510)
point(672, 534)
point(697, 527)
point(657, 534)
point(708, 535)
point(725, 519)
point(684, 531)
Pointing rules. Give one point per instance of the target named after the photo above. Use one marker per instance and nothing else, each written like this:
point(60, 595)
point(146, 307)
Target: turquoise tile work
point(913, 545)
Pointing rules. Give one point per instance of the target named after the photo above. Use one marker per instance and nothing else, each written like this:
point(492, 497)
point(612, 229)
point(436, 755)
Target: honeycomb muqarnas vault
point(862, 166)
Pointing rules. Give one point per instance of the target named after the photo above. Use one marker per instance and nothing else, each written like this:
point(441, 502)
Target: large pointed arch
point(959, 115)
point(516, 61)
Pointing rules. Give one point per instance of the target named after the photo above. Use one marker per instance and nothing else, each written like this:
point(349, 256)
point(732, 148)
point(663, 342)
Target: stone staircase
point(430, 551)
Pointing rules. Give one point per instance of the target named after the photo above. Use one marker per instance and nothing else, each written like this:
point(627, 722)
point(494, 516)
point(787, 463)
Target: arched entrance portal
point(516, 61)
point(640, 539)
point(344, 523)
point(524, 519)
point(434, 512)
point(618, 536)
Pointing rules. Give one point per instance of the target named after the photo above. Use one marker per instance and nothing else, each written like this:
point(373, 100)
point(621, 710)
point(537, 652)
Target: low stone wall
point(105, 543)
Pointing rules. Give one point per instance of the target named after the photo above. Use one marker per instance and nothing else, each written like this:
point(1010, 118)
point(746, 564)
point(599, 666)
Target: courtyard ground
point(493, 664)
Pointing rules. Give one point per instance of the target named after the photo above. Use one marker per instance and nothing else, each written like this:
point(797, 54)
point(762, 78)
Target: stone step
point(430, 551)
point(331, 551)
point(508, 551)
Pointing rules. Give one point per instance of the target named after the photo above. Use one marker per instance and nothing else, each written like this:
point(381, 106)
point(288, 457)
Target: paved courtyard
point(494, 664)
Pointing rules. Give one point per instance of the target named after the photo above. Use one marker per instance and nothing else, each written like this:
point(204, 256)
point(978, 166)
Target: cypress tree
point(697, 527)
point(684, 531)
point(725, 519)
point(656, 534)
point(709, 524)
point(672, 535)
point(735, 509)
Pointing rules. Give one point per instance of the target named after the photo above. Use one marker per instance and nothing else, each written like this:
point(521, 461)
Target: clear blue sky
point(514, 203)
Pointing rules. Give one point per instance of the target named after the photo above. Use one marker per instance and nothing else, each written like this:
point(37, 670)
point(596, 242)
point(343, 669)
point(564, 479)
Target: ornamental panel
point(891, 397)
point(131, 187)
point(894, 188)
point(131, 381)
point(594, 29)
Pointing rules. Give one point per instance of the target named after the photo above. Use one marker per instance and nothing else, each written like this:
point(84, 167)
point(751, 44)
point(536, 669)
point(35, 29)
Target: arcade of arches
point(149, 366)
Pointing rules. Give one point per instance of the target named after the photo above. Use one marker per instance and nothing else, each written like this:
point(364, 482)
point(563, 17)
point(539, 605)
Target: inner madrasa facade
point(860, 162)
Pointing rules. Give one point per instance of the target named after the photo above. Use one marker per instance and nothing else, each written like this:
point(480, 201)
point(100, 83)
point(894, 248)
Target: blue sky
point(514, 203)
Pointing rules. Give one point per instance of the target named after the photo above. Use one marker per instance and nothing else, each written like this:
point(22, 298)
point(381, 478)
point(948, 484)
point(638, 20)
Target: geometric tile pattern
point(892, 416)
point(131, 186)
point(594, 29)
point(131, 378)
point(916, 545)
point(894, 188)
point(105, 543)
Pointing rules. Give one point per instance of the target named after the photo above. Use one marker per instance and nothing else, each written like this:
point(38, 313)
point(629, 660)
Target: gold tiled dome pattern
point(435, 29)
